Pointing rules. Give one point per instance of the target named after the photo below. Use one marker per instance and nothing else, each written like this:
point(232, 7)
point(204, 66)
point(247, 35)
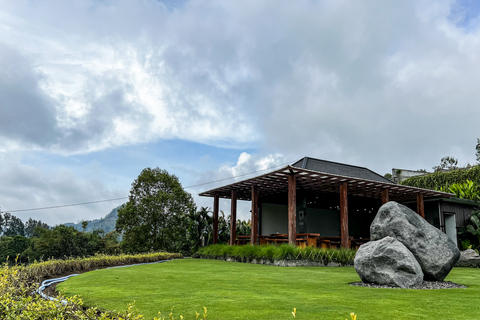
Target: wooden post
point(344, 216)
point(292, 209)
point(420, 206)
point(384, 196)
point(215, 219)
point(254, 220)
point(233, 218)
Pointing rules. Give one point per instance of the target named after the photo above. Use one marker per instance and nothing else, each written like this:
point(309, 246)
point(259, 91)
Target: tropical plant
point(466, 190)
point(474, 227)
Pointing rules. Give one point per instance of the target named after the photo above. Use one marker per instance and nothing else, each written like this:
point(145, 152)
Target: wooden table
point(243, 240)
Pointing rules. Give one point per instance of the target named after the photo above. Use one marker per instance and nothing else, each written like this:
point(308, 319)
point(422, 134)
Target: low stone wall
point(278, 263)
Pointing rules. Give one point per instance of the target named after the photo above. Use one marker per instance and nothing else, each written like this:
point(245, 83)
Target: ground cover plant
point(232, 290)
point(282, 252)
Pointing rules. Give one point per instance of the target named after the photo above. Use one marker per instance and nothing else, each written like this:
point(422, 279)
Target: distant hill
point(106, 223)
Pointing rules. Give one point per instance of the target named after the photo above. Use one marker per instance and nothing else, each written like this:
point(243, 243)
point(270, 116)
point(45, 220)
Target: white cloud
point(378, 84)
point(247, 166)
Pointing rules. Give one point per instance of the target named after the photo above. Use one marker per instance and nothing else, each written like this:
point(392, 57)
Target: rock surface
point(433, 250)
point(469, 258)
point(388, 262)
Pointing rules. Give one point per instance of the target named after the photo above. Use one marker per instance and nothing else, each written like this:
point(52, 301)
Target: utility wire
point(123, 198)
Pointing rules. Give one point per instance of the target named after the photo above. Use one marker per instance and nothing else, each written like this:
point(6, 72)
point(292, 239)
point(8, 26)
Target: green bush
point(282, 252)
point(441, 180)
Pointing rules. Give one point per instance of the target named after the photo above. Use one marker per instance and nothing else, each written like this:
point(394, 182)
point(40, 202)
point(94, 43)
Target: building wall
point(275, 220)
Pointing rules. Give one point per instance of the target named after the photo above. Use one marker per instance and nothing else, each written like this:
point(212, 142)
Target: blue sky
point(92, 92)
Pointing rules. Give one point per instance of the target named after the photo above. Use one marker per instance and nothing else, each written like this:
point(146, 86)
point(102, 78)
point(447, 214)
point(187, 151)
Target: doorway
point(450, 226)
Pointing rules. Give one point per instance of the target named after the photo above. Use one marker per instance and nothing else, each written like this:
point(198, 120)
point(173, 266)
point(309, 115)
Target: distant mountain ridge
point(106, 223)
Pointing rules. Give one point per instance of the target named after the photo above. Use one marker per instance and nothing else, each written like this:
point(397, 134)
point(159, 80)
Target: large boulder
point(434, 251)
point(388, 262)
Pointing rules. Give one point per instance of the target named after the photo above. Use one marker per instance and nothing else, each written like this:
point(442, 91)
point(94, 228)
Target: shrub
point(282, 252)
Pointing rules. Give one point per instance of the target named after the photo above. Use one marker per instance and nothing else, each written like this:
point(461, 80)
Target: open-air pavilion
point(314, 196)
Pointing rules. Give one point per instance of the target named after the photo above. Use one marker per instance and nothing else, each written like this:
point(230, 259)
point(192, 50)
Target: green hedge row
point(282, 252)
point(438, 180)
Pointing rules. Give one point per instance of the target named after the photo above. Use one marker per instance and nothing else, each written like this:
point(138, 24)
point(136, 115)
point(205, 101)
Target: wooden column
point(254, 234)
point(292, 209)
point(215, 219)
point(344, 216)
point(233, 217)
point(420, 206)
point(384, 196)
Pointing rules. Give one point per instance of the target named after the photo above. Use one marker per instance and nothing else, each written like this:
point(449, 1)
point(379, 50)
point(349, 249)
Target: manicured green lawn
point(233, 290)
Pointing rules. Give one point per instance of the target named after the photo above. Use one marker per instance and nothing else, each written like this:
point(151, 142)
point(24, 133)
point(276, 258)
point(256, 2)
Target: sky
point(94, 91)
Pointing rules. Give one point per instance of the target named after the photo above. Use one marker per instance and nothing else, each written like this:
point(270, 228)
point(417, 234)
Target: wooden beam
point(254, 220)
point(420, 206)
point(384, 196)
point(215, 218)
point(345, 243)
point(233, 218)
point(292, 209)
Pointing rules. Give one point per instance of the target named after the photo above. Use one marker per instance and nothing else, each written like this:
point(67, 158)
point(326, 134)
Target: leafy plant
point(465, 190)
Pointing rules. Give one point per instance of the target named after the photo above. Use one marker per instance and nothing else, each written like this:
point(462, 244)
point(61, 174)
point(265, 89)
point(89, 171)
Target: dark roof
point(340, 169)
point(276, 182)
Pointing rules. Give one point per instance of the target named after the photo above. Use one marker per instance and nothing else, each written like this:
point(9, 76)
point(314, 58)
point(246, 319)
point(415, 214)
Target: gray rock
point(434, 251)
point(388, 262)
point(469, 258)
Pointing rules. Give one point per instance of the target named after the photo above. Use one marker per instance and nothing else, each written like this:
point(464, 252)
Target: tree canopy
point(154, 216)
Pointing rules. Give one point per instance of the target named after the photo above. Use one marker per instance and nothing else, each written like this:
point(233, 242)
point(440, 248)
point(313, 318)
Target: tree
point(12, 225)
point(477, 147)
point(31, 227)
point(447, 163)
point(155, 216)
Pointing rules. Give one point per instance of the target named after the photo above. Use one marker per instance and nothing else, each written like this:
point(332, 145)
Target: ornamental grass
point(282, 252)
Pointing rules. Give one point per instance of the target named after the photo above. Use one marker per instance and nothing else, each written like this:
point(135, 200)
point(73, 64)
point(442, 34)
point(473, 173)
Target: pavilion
point(315, 196)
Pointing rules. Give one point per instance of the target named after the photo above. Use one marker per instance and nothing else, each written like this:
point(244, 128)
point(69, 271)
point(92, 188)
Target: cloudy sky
point(92, 92)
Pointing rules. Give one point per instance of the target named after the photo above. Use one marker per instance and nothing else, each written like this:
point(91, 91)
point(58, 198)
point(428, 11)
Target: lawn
point(232, 290)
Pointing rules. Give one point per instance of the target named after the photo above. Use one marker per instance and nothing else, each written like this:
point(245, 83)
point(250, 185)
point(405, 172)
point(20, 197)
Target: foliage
point(12, 225)
point(63, 241)
point(447, 163)
point(11, 247)
point(477, 148)
point(51, 268)
point(234, 291)
point(465, 190)
point(59, 242)
point(154, 216)
point(244, 228)
point(282, 252)
point(439, 180)
point(19, 298)
point(32, 227)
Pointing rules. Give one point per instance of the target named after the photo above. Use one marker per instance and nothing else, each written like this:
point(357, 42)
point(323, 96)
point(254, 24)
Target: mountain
point(106, 223)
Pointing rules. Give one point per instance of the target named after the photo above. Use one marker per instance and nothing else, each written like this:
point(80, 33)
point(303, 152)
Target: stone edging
point(278, 263)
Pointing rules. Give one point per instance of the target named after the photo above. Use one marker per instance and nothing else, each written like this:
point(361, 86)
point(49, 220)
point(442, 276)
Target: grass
point(233, 290)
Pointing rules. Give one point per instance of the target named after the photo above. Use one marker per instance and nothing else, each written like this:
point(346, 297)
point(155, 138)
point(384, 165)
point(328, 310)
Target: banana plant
point(474, 228)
